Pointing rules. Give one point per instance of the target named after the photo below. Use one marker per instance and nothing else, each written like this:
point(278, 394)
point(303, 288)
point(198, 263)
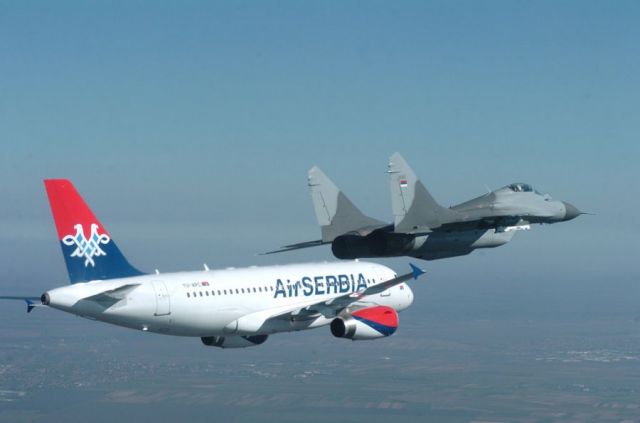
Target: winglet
point(416, 271)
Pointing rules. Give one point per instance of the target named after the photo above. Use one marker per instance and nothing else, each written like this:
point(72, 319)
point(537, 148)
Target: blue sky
point(189, 126)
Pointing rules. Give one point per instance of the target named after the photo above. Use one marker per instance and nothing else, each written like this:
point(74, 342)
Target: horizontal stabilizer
point(112, 296)
point(31, 302)
point(13, 297)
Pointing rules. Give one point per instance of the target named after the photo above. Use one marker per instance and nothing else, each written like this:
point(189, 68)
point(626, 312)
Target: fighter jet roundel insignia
point(87, 247)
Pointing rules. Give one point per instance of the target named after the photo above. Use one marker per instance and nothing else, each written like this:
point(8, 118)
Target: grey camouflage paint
point(422, 228)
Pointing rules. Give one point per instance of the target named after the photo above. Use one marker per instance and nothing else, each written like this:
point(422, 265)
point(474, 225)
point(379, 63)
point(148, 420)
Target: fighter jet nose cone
point(571, 212)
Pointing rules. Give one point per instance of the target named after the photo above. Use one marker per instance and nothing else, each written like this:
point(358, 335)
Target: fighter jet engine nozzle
point(571, 212)
point(44, 298)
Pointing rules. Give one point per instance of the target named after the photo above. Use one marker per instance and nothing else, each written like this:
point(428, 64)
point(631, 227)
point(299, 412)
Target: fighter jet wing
point(251, 323)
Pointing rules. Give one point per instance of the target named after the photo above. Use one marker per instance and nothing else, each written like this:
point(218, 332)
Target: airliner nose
point(571, 212)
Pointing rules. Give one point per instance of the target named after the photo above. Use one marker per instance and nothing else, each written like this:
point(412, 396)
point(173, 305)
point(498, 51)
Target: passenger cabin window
point(188, 295)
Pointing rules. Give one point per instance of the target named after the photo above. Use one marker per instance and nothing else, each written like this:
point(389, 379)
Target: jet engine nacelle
point(375, 244)
point(233, 341)
point(366, 323)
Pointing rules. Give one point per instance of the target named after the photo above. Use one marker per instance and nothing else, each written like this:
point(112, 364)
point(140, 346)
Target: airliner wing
point(375, 289)
point(339, 303)
point(251, 323)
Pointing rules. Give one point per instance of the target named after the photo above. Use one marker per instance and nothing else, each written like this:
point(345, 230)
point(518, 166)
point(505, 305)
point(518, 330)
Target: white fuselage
point(211, 303)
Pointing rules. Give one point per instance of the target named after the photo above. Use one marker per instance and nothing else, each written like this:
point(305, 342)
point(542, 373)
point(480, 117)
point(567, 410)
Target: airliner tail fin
point(89, 251)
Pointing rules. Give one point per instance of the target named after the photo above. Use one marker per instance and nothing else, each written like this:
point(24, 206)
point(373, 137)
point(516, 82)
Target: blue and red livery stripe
point(381, 318)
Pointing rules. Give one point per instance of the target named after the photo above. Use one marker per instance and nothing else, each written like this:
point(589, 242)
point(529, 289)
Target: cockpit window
point(521, 188)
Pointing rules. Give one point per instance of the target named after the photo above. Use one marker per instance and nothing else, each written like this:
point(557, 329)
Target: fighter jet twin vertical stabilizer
point(422, 228)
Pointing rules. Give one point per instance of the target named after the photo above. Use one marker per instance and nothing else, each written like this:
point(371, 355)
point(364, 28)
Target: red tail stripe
point(69, 209)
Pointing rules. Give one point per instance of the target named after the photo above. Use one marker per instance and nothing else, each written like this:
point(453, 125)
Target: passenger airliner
point(231, 308)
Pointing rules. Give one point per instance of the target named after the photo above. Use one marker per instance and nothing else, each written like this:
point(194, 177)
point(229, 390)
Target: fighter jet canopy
point(521, 187)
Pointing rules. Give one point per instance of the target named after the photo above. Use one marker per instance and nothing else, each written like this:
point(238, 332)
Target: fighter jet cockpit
point(522, 187)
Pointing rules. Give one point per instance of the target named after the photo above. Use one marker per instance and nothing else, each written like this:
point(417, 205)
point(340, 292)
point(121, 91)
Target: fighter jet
point(422, 228)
